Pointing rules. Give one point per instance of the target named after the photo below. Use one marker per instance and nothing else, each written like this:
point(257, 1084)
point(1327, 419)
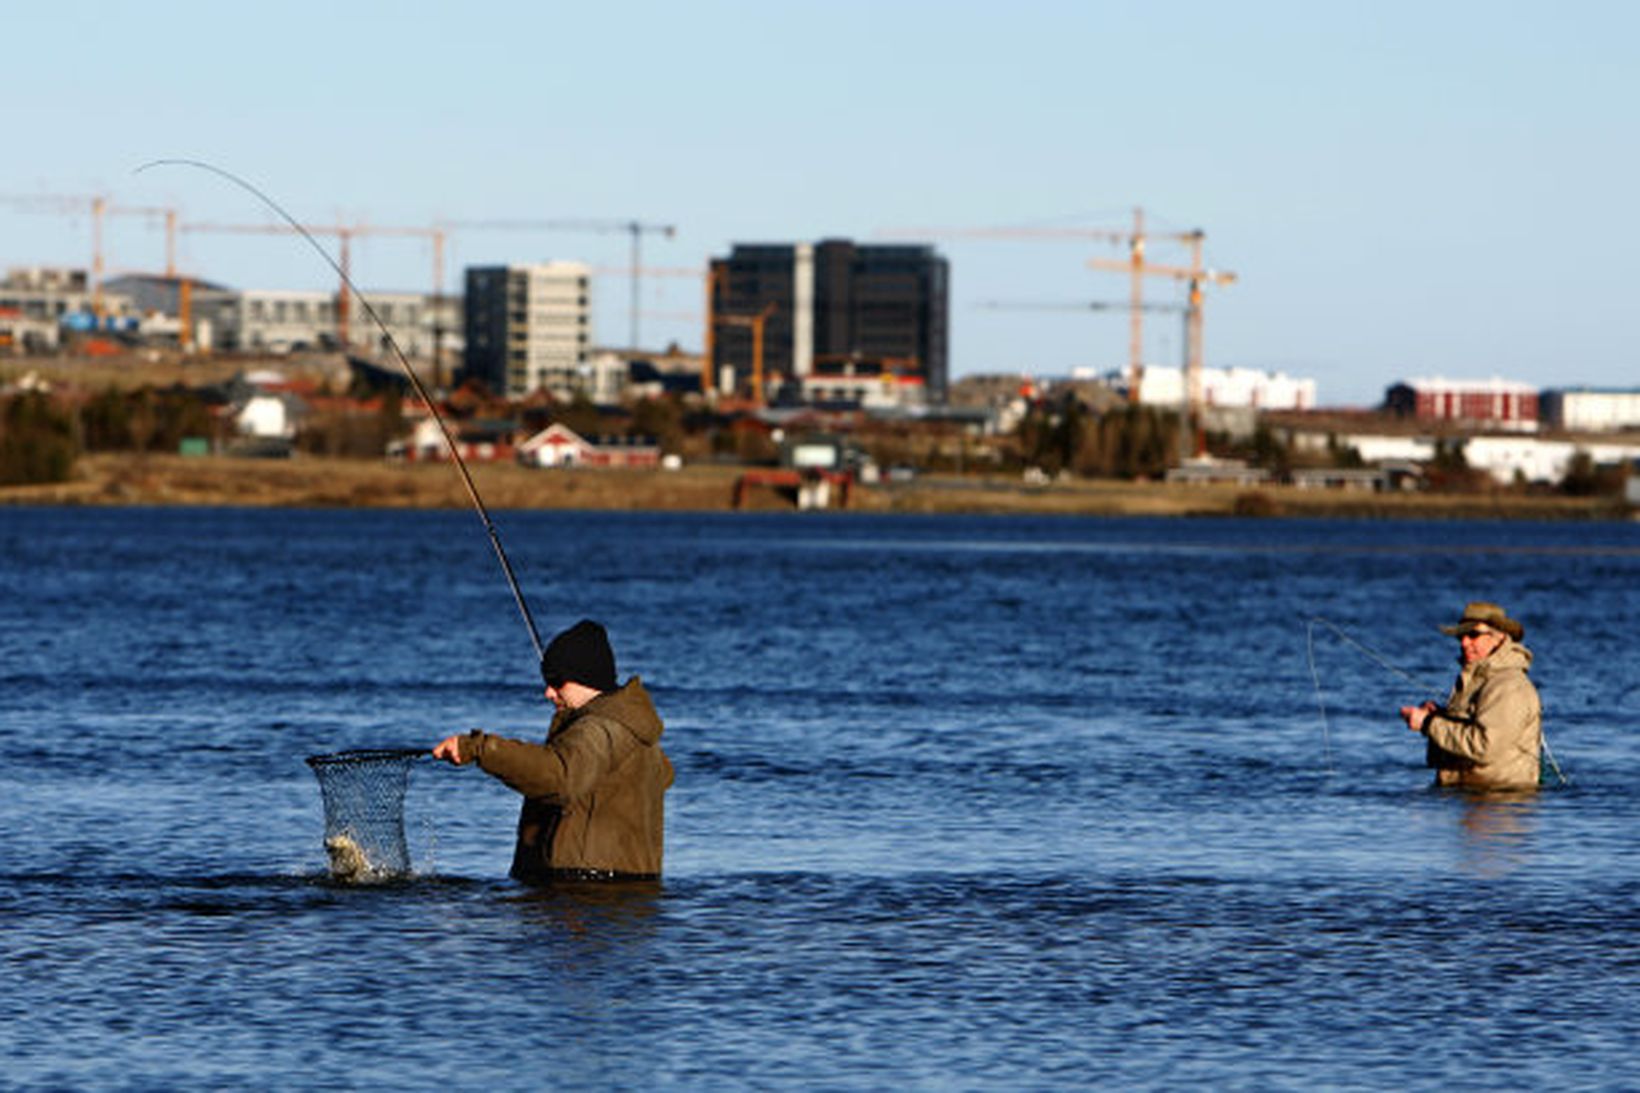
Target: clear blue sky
point(1403, 188)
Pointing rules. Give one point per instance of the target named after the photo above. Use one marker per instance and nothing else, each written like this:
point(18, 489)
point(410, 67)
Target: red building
point(1495, 403)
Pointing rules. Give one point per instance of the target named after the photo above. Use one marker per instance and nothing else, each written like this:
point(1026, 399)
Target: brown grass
point(326, 482)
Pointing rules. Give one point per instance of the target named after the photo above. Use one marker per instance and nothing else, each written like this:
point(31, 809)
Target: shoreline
point(329, 482)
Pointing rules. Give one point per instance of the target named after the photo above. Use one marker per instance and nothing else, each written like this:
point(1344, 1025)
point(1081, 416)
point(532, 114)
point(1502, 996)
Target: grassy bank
point(316, 482)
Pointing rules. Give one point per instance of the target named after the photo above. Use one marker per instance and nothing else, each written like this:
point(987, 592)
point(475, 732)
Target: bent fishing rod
point(404, 363)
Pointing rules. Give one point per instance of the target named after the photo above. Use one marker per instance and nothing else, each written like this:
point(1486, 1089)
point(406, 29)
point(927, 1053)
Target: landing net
point(363, 793)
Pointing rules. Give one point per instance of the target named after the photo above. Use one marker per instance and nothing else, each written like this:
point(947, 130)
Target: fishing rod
point(404, 363)
point(1424, 684)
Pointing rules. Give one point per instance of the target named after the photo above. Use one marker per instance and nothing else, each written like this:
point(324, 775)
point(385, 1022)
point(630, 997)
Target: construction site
point(827, 322)
point(833, 336)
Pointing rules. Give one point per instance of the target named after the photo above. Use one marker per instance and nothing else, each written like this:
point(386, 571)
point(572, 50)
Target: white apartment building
point(1507, 457)
point(287, 320)
point(529, 328)
point(1592, 409)
point(605, 377)
point(1164, 385)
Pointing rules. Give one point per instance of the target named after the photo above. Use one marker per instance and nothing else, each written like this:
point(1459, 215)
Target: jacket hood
point(1511, 654)
point(631, 706)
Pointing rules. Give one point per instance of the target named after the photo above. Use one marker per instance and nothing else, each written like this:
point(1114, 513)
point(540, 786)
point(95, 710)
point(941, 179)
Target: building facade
point(1494, 403)
point(835, 319)
point(292, 320)
point(40, 302)
point(1249, 388)
point(1532, 459)
point(529, 328)
point(1592, 410)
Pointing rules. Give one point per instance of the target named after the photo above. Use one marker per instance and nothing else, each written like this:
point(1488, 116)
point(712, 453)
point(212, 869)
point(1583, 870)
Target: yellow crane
point(755, 323)
point(1135, 239)
point(344, 234)
point(98, 207)
point(1195, 275)
point(1135, 376)
point(714, 278)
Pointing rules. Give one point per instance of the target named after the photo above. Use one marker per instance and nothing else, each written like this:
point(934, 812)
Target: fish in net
point(363, 794)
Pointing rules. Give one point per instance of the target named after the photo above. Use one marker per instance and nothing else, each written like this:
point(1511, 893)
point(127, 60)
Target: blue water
point(961, 803)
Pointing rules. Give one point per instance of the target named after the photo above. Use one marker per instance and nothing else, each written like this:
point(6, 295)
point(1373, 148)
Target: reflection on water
point(616, 913)
point(1498, 830)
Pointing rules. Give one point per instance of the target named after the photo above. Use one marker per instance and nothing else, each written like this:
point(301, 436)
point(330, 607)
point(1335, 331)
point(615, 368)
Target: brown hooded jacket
point(592, 792)
point(1490, 732)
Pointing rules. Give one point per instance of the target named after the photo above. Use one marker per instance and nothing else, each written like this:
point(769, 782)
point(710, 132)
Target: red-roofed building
point(560, 446)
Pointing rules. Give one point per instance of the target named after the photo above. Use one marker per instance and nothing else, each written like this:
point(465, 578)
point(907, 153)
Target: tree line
point(42, 436)
point(1124, 442)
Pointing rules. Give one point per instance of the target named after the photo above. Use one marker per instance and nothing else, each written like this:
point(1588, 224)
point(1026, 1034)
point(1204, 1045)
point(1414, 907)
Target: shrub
point(37, 443)
point(1255, 503)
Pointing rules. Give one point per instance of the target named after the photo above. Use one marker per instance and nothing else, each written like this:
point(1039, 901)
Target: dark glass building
point(836, 318)
point(528, 328)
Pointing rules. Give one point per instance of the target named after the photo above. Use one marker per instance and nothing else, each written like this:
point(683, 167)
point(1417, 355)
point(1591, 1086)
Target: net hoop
point(363, 792)
point(364, 755)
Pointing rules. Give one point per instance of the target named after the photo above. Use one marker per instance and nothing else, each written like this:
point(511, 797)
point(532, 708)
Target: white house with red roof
point(560, 446)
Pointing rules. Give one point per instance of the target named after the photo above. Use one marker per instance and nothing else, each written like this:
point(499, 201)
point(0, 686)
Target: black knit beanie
point(582, 655)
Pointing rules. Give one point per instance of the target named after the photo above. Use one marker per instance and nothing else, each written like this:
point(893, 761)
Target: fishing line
point(404, 363)
point(1315, 676)
point(1326, 733)
point(1374, 655)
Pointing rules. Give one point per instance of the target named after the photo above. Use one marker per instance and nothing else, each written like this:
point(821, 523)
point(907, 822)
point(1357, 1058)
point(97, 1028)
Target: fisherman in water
point(1489, 734)
point(593, 790)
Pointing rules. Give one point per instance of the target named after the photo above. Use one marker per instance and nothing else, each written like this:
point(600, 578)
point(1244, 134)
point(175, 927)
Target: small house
point(560, 446)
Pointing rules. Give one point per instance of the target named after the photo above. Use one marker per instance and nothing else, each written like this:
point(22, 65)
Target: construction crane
point(755, 323)
point(1136, 241)
point(714, 278)
point(165, 213)
point(634, 228)
point(93, 205)
point(1136, 376)
point(98, 207)
point(184, 284)
point(344, 234)
point(1091, 305)
point(1195, 276)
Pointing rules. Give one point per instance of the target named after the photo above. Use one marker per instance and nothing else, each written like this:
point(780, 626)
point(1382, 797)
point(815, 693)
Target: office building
point(529, 328)
point(836, 321)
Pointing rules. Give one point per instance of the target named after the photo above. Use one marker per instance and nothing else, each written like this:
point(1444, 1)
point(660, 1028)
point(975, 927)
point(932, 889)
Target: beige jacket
point(593, 792)
point(1490, 732)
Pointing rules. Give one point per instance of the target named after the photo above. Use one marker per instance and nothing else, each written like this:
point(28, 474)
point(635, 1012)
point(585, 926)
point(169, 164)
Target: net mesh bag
point(363, 795)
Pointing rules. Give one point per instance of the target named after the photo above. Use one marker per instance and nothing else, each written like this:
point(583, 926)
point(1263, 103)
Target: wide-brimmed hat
point(1478, 613)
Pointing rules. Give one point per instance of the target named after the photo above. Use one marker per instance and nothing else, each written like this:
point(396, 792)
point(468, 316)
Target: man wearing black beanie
point(593, 791)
